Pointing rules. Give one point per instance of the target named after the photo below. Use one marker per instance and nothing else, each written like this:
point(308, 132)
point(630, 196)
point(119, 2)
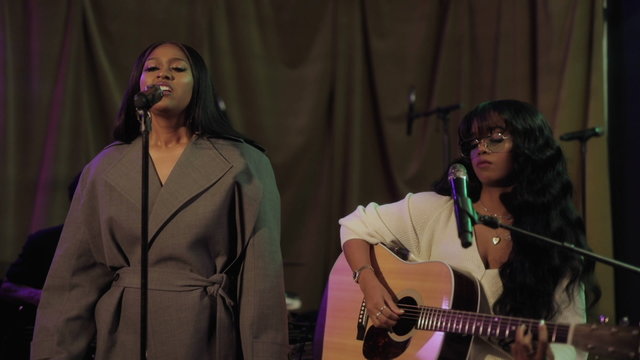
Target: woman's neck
point(168, 132)
point(490, 200)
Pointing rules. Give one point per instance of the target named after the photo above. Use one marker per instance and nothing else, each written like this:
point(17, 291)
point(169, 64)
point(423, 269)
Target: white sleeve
point(571, 310)
point(402, 223)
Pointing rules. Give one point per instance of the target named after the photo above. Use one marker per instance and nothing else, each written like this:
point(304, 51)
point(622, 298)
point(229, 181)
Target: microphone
point(412, 110)
point(582, 135)
point(144, 100)
point(461, 203)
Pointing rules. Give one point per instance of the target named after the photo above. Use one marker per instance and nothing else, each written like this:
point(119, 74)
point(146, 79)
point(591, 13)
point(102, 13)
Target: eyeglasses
point(493, 143)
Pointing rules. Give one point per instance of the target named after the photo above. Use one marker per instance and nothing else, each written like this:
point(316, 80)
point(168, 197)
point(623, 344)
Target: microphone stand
point(442, 113)
point(494, 223)
point(145, 126)
point(586, 135)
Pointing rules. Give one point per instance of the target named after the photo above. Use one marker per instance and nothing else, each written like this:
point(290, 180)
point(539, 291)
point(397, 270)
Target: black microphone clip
point(490, 221)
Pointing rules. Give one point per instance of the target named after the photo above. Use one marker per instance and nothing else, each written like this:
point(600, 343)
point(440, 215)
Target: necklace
point(496, 239)
point(488, 212)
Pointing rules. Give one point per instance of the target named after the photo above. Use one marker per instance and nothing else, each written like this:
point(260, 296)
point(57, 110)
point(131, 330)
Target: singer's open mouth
point(165, 88)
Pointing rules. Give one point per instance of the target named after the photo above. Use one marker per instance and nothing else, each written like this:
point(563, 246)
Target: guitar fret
point(453, 319)
point(446, 318)
point(480, 325)
point(422, 318)
point(466, 328)
point(491, 323)
point(432, 320)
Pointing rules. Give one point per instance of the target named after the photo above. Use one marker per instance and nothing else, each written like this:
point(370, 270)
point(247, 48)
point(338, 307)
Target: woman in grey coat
point(215, 269)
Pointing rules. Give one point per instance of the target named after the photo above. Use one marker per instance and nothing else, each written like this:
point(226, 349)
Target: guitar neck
point(469, 323)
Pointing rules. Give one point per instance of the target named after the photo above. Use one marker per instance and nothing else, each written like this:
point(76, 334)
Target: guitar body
point(432, 284)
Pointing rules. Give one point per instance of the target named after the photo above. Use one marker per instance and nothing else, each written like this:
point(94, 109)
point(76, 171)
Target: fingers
point(383, 316)
point(543, 351)
point(386, 313)
point(395, 310)
point(381, 307)
point(523, 347)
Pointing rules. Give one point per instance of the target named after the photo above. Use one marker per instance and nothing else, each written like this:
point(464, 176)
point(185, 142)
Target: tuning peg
point(603, 319)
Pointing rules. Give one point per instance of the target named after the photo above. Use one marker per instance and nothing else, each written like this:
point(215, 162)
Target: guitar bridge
point(363, 319)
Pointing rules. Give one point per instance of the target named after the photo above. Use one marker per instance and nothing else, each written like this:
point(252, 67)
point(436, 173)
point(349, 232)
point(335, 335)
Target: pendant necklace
point(496, 239)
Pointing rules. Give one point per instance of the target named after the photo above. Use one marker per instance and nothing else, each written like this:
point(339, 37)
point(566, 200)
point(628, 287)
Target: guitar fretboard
point(468, 323)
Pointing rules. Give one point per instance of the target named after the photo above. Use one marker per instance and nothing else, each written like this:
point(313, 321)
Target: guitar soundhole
point(378, 345)
point(406, 323)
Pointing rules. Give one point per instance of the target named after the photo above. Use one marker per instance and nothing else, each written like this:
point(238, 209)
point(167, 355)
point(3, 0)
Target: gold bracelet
point(356, 274)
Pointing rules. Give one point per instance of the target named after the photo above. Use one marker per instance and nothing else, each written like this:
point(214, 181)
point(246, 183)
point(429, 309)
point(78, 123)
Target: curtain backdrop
point(323, 85)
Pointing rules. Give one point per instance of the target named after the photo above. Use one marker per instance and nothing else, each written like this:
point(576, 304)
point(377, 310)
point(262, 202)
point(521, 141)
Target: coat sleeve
point(262, 308)
point(65, 323)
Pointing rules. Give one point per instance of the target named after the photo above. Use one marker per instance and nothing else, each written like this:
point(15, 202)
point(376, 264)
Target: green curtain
point(323, 85)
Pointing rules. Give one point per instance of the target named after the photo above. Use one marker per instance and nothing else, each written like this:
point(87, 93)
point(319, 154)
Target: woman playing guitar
point(517, 173)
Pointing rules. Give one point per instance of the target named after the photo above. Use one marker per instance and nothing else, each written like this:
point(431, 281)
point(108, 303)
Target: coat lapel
point(125, 174)
point(200, 166)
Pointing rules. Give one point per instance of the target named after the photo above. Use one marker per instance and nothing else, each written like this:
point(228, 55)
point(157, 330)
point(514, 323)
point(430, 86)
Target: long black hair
point(540, 201)
point(203, 115)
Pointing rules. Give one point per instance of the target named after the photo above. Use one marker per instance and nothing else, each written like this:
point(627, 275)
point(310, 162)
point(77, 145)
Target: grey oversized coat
point(219, 206)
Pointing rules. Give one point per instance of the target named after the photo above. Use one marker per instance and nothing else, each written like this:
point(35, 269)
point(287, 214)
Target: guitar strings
point(447, 319)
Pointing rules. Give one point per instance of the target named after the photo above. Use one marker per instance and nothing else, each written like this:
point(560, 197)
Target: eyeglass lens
point(495, 142)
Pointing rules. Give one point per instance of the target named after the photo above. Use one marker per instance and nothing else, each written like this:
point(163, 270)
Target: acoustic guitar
point(444, 311)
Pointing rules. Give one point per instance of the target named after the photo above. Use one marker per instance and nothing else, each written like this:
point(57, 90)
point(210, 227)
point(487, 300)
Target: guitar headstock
point(613, 342)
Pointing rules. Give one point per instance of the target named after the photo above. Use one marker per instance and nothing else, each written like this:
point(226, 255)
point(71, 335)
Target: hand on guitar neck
point(524, 349)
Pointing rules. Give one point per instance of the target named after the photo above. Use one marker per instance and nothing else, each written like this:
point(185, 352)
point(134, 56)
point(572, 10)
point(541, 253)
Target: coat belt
point(216, 286)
